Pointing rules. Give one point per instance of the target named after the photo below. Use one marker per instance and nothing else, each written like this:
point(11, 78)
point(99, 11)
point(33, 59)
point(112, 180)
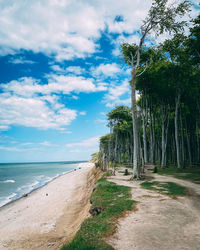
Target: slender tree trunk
point(188, 144)
point(164, 117)
point(177, 103)
point(182, 142)
point(198, 146)
point(144, 138)
point(152, 139)
point(166, 139)
point(135, 130)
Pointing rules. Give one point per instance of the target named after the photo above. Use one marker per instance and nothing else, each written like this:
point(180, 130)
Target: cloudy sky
point(61, 71)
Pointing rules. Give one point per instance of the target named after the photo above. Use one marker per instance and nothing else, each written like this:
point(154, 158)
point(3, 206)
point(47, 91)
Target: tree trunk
point(135, 130)
point(144, 137)
point(165, 125)
point(188, 145)
point(177, 103)
point(152, 139)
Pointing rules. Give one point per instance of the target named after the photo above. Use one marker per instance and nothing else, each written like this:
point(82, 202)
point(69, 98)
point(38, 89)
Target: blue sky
point(61, 72)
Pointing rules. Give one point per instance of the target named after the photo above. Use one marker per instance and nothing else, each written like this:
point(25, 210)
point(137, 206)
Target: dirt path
point(160, 223)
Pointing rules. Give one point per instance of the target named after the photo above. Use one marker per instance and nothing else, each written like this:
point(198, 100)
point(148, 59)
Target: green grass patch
point(190, 173)
point(169, 188)
point(108, 173)
point(115, 200)
point(125, 165)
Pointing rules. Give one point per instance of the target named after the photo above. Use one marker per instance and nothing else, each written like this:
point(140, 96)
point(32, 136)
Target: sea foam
point(8, 181)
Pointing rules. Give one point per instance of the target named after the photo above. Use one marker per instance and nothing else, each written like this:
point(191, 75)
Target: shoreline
point(50, 215)
point(43, 185)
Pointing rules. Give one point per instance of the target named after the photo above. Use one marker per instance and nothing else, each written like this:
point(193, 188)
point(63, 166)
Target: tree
point(161, 18)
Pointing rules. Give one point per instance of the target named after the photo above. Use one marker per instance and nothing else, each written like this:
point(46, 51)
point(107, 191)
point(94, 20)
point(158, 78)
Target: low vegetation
point(114, 200)
point(168, 188)
point(190, 173)
point(125, 172)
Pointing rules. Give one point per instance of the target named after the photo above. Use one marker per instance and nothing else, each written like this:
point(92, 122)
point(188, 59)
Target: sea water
point(16, 179)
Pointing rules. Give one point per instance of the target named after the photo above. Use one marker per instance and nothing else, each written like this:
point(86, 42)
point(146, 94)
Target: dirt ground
point(160, 222)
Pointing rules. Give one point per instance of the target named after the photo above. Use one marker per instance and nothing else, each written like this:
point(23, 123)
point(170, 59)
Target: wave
point(8, 181)
point(39, 181)
point(5, 200)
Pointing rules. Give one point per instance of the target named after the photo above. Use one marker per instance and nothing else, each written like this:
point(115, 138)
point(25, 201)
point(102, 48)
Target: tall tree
point(162, 17)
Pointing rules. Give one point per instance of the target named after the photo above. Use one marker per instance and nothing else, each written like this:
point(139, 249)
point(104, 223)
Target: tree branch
point(146, 66)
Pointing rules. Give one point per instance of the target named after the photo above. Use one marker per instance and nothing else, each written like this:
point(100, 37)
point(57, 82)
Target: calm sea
point(19, 178)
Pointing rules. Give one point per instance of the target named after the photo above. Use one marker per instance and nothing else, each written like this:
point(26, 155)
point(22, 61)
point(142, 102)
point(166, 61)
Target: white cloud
point(28, 86)
point(29, 103)
point(66, 29)
point(15, 149)
point(73, 70)
point(46, 143)
point(57, 68)
point(4, 127)
point(65, 132)
point(118, 95)
point(82, 113)
point(77, 70)
point(87, 143)
point(68, 84)
point(124, 39)
point(75, 151)
point(33, 112)
point(74, 97)
point(106, 70)
point(101, 121)
point(20, 60)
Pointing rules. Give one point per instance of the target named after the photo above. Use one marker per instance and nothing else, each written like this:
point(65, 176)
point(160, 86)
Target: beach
point(50, 216)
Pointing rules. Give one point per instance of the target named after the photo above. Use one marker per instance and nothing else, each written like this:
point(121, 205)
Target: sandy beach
point(50, 216)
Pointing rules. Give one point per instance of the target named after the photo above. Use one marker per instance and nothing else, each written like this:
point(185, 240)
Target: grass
point(190, 173)
point(108, 173)
point(168, 188)
point(126, 165)
point(115, 200)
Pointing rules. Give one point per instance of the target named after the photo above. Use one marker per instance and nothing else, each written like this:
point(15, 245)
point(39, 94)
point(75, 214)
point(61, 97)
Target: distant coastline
point(37, 188)
point(41, 162)
point(17, 179)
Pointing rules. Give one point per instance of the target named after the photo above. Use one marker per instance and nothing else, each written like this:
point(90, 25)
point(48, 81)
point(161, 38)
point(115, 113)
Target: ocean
point(17, 179)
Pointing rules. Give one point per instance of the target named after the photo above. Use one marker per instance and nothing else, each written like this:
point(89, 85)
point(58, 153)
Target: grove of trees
point(163, 126)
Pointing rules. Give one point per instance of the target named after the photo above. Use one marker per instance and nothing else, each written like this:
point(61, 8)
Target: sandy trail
point(160, 223)
point(50, 216)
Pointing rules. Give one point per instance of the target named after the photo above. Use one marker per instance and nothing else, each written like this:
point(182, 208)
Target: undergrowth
point(169, 188)
point(189, 173)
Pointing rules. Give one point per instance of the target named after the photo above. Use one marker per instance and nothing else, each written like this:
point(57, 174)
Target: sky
point(61, 72)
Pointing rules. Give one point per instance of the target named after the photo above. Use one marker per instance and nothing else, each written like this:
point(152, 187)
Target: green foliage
point(193, 41)
point(162, 17)
point(169, 188)
point(95, 157)
point(114, 199)
point(105, 139)
point(120, 115)
point(190, 173)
